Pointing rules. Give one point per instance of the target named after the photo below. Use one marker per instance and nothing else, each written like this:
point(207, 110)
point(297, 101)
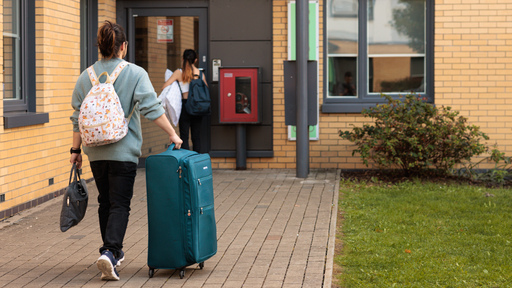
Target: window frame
point(22, 112)
point(88, 29)
point(366, 100)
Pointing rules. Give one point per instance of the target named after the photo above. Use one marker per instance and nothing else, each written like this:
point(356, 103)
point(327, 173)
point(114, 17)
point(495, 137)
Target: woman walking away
point(114, 165)
point(188, 122)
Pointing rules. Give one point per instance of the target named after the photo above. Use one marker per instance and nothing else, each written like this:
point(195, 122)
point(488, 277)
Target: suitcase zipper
point(179, 171)
point(199, 181)
point(188, 214)
point(201, 210)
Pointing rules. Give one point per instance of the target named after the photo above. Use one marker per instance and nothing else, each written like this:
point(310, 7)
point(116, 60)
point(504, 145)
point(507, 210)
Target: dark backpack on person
point(198, 102)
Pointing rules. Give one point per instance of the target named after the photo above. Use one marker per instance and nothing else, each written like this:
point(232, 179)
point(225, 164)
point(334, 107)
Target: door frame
point(127, 10)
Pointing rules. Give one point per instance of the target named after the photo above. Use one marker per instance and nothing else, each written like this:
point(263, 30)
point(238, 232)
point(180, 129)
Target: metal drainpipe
point(302, 139)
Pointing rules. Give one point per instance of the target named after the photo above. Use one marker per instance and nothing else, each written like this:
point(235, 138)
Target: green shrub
point(415, 135)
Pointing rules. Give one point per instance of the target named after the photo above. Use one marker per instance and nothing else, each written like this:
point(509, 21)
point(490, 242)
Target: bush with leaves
point(415, 135)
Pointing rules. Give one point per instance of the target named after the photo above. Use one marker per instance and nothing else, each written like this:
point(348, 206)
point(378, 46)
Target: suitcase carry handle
point(171, 147)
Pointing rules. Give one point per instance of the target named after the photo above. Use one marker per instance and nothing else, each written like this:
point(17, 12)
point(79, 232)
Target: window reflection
point(343, 8)
point(396, 74)
point(396, 46)
point(342, 27)
point(342, 76)
point(11, 50)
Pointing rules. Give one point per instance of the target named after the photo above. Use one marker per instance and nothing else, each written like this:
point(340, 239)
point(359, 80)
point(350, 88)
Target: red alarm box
point(238, 97)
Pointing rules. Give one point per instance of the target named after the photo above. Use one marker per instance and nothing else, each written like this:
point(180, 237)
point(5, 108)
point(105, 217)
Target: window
point(12, 51)
point(88, 28)
point(19, 93)
point(375, 47)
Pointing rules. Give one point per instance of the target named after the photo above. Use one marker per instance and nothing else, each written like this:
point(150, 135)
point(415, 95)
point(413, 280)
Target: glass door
point(160, 36)
point(160, 42)
point(157, 39)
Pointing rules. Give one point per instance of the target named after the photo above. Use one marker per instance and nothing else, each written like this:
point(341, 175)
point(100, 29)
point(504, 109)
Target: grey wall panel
point(241, 36)
point(245, 53)
point(240, 20)
point(223, 138)
point(259, 138)
point(240, 54)
point(214, 94)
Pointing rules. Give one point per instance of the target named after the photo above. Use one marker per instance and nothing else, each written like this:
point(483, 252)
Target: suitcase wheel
point(182, 273)
point(201, 265)
point(151, 272)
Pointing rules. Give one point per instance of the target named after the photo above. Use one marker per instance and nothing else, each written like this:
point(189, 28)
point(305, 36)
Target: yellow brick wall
point(106, 11)
point(473, 67)
point(30, 156)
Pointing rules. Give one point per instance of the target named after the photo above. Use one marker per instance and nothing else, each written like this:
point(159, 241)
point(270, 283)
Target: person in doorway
point(187, 122)
point(114, 166)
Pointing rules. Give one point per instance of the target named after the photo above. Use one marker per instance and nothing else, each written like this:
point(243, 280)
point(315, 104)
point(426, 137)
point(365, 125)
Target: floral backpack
point(101, 120)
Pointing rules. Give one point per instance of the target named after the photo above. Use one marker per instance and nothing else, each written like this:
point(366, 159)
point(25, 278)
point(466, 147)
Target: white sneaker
point(107, 265)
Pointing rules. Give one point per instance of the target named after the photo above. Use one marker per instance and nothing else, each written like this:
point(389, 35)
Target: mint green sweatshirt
point(132, 86)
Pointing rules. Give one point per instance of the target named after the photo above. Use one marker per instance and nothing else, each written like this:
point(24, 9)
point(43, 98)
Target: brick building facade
point(472, 73)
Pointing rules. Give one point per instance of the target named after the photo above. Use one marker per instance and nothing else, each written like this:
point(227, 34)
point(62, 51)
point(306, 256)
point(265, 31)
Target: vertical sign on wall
point(313, 53)
point(165, 31)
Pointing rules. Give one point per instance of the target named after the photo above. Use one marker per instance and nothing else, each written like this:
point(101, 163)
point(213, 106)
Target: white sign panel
point(165, 31)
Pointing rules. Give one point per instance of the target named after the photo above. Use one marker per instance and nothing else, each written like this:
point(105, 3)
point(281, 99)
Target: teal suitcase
point(180, 202)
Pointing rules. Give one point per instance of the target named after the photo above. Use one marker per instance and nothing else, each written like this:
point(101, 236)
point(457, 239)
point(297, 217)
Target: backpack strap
point(95, 79)
point(179, 86)
point(133, 110)
point(113, 78)
point(117, 71)
point(92, 75)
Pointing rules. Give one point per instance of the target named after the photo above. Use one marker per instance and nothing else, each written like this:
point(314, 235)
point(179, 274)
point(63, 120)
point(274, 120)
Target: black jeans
point(114, 180)
point(193, 123)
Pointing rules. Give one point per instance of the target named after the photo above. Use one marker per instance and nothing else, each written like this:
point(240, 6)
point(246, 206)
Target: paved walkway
point(273, 230)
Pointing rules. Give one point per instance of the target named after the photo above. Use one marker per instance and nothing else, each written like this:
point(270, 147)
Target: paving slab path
point(273, 230)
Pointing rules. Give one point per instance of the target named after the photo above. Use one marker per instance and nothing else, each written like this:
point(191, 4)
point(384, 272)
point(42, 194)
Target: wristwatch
point(76, 151)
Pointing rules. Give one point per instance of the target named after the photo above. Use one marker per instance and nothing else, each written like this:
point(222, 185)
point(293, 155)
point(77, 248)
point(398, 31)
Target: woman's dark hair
point(110, 38)
point(189, 57)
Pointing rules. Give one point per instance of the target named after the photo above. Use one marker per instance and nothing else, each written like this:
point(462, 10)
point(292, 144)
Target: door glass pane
point(159, 45)
point(160, 42)
point(396, 45)
point(342, 47)
point(11, 53)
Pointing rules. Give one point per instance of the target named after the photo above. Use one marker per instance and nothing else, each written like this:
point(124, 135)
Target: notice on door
point(165, 31)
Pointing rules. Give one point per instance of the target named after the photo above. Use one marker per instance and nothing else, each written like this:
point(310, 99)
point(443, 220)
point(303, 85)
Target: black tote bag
point(75, 201)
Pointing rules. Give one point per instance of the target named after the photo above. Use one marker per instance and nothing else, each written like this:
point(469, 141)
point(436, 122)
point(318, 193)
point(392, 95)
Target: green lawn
point(417, 234)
